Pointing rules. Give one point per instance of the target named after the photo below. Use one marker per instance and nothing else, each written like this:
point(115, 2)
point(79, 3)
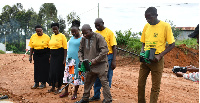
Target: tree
point(17, 24)
point(14, 24)
point(32, 23)
point(47, 15)
point(72, 16)
point(62, 25)
point(6, 14)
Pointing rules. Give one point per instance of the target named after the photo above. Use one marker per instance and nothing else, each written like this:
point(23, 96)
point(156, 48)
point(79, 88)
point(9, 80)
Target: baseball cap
point(195, 33)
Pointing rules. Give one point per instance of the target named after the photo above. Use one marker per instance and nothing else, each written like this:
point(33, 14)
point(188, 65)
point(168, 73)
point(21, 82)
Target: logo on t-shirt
point(155, 34)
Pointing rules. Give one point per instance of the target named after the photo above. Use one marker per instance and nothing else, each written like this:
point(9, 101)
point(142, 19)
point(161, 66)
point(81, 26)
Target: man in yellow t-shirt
point(111, 42)
point(155, 35)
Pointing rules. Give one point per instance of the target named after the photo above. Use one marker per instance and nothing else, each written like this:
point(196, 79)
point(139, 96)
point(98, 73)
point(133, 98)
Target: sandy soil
point(17, 78)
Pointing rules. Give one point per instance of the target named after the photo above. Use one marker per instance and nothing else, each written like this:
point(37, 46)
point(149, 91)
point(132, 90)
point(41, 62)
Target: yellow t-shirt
point(39, 42)
point(109, 37)
point(156, 36)
point(58, 41)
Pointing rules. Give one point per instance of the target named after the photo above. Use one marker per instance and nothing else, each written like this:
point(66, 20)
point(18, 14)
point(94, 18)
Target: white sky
point(121, 14)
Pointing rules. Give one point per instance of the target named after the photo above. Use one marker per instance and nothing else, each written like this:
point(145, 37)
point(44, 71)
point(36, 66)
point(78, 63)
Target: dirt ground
point(17, 78)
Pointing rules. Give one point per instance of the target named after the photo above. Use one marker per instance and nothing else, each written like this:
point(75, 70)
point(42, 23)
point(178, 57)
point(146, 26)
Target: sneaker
point(93, 99)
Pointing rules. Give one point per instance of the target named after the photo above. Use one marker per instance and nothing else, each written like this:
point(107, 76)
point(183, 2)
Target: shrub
point(190, 43)
point(123, 38)
point(134, 45)
point(2, 52)
point(130, 40)
point(12, 48)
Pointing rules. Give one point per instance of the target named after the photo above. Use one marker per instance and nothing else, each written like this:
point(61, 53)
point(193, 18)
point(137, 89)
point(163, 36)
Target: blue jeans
point(97, 84)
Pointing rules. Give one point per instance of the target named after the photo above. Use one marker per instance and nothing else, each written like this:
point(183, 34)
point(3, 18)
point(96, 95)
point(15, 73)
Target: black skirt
point(41, 65)
point(56, 67)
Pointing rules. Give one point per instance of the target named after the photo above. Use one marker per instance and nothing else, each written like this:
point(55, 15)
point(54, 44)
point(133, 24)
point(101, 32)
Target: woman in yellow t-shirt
point(58, 49)
point(39, 45)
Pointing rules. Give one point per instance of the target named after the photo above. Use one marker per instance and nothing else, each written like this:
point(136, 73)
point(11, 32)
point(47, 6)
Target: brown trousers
point(90, 78)
point(156, 74)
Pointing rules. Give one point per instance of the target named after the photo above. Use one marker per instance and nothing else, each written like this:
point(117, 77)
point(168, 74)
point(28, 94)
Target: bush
point(129, 40)
point(190, 43)
point(134, 45)
point(123, 38)
point(12, 48)
point(16, 47)
point(2, 52)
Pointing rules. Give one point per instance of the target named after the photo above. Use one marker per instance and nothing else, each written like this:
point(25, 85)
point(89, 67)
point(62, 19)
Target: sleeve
point(112, 39)
point(102, 46)
point(30, 43)
point(143, 34)
point(80, 51)
point(169, 35)
point(64, 42)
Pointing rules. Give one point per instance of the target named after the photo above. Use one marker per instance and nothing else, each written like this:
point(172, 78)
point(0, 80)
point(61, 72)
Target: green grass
point(2, 52)
point(190, 43)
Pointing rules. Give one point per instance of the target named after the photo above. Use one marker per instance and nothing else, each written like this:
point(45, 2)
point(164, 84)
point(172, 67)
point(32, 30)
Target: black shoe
point(93, 99)
point(43, 85)
point(104, 101)
point(81, 101)
point(4, 97)
point(35, 86)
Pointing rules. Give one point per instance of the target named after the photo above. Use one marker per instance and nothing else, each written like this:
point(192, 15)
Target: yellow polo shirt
point(109, 37)
point(58, 41)
point(156, 36)
point(39, 42)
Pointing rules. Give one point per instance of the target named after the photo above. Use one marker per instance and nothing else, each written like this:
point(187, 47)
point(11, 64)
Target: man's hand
point(93, 62)
point(30, 59)
point(192, 69)
point(113, 65)
point(157, 58)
